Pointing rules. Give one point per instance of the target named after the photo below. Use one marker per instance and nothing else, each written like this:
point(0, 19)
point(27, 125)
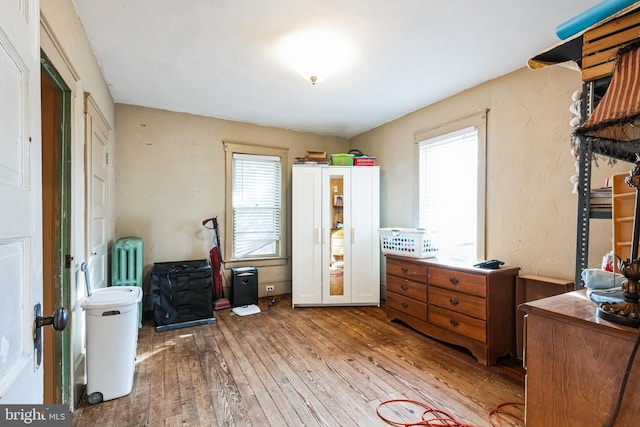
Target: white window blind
point(256, 205)
point(448, 191)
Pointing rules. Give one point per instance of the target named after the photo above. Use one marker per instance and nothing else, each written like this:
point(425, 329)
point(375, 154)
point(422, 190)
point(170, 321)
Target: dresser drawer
point(407, 270)
point(474, 284)
point(407, 305)
point(459, 323)
point(407, 288)
point(460, 303)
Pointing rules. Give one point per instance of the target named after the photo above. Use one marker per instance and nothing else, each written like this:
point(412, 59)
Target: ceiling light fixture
point(316, 54)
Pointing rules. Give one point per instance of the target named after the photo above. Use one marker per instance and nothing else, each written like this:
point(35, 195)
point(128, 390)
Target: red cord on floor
point(499, 410)
point(430, 417)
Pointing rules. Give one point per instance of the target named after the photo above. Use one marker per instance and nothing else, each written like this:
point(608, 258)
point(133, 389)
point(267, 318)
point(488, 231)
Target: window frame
point(479, 121)
point(281, 258)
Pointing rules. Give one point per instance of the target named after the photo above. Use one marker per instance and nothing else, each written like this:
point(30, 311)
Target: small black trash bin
point(244, 286)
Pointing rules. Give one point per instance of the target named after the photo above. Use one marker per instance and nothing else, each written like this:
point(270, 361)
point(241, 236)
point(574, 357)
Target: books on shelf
point(600, 199)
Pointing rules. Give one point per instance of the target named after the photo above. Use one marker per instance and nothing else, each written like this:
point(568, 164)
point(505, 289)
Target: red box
point(364, 161)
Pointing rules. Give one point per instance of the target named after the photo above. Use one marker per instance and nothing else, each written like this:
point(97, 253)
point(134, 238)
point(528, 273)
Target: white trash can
point(111, 338)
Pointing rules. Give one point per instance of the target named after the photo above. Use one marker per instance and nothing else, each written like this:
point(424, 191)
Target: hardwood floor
point(329, 366)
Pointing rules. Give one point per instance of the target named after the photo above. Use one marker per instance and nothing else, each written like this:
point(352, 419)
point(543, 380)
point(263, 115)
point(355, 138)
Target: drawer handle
point(454, 322)
point(454, 280)
point(405, 305)
point(454, 301)
point(405, 270)
point(404, 287)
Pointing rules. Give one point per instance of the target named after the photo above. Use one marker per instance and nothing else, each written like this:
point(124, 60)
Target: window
point(451, 187)
point(255, 202)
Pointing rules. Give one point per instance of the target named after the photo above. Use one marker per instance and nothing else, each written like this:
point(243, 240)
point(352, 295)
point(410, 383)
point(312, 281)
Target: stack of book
point(600, 199)
point(312, 158)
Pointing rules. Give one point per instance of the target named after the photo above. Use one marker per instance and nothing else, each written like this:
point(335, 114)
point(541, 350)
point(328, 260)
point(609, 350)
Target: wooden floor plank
point(315, 351)
point(396, 365)
point(228, 387)
point(161, 355)
point(311, 366)
point(172, 404)
point(141, 389)
point(392, 363)
point(299, 398)
point(452, 382)
point(269, 393)
point(255, 383)
point(185, 352)
point(200, 396)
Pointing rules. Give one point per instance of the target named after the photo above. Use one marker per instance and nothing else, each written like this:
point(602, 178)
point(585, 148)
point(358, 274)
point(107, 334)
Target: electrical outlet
point(269, 288)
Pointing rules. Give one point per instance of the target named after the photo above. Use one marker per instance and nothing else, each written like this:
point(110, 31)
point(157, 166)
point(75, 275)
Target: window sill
point(256, 262)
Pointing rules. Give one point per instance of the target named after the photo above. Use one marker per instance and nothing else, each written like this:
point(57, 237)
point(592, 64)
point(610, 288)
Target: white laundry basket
point(112, 339)
point(409, 242)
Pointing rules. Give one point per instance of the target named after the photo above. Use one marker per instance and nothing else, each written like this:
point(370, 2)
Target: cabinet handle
point(454, 322)
point(454, 301)
point(454, 281)
point(404, 287)
point(405, 305)
point(405, 270)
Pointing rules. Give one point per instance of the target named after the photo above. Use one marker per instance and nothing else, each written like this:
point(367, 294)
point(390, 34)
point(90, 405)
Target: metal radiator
point(127, 265)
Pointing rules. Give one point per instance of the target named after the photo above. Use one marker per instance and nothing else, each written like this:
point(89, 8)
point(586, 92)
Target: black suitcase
point(182, 292)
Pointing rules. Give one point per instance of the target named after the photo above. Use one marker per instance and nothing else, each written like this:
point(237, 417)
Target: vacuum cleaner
point(215, 256)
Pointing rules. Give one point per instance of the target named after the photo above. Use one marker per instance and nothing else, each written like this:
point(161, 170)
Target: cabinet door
point(365, 244)
point(337, 204)
point(306, 279)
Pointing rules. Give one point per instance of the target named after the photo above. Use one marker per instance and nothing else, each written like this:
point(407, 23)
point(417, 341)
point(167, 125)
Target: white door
point(306, 258)
point(365, 243)
point(21, 379)
point(97, 144)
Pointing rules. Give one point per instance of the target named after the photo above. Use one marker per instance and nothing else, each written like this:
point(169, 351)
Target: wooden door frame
point(62, 276)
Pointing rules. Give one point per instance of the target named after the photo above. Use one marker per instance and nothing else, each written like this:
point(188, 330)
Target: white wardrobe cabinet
point(335, 243)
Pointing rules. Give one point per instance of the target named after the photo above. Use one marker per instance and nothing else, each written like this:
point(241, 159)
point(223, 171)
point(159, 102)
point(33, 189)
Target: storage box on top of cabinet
point(364, 161)
point(409, 242)
point(341, 159)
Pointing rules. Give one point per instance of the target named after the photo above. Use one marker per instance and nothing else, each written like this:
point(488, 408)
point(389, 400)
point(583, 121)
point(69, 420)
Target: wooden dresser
point(470, 307)
point(575, 363)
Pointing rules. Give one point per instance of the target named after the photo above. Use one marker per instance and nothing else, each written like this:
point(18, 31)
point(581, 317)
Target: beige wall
point(65, 43)
point(170, 173)
point(531, 213)
point(171, 176)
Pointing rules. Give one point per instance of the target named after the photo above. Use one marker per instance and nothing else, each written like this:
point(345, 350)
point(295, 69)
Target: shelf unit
point(591, 94)
point(594, 51)
point(624, 199)
point(597, 55)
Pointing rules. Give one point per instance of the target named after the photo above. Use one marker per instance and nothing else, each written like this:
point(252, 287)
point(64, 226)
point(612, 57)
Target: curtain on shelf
point(616, 119)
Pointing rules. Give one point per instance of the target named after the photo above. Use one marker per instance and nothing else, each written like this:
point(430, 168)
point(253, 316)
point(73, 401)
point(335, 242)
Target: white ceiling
point(217, 57)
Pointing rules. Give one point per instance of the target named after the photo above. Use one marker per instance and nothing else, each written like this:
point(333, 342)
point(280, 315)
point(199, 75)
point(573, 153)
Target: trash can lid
point(113, 296)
